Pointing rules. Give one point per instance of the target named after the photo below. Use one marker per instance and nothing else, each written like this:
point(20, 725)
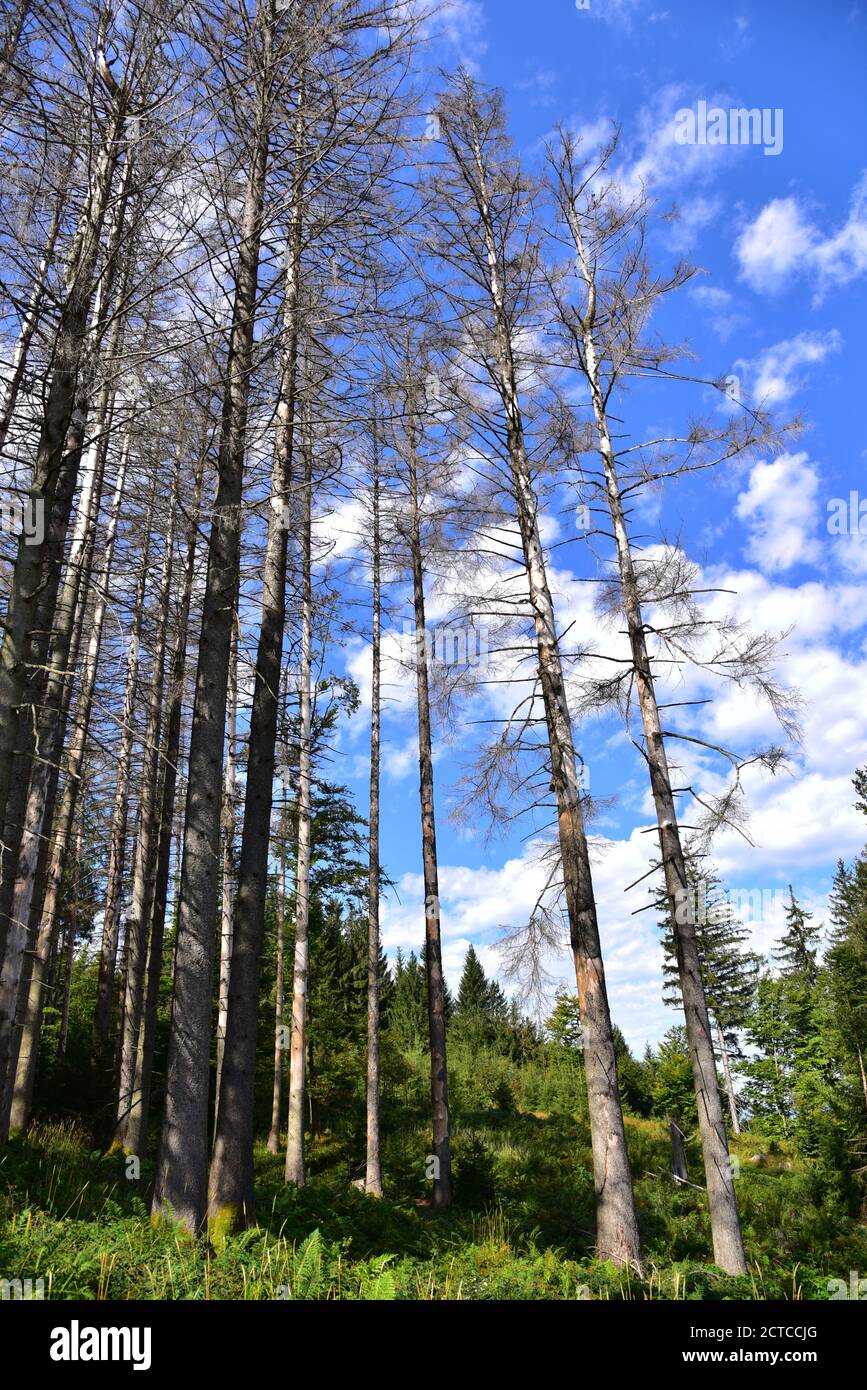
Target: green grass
point(521, 1226)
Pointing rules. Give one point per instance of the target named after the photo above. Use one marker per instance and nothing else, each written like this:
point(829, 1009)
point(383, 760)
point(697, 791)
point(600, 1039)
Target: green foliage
point(521, 1227)
point(672, 1085)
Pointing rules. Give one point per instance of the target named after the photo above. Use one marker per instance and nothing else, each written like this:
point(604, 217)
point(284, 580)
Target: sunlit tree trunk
point(227, 895)
point(294, 1170)
point(279, 993)
point(373, 1177)
point(120, 813)
point(439, 1082)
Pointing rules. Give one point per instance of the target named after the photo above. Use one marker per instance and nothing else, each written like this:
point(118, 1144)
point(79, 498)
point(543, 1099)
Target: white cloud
point(780, 509)
point(718, 304)
point(771, 246)
point(778, 372)
point(783, 242)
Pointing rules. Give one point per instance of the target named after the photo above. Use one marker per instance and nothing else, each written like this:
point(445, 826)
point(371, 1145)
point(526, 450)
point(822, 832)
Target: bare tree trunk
point(373, 1176)
point(727, 1073)
point(117, 836)
point(11, 41)
point(18, 365)
point(617, 1237)
point(678, 1152)
point(71, 931)
point(63, 614)
point(180, 1191)
point(725, 1226)
point(136, 1136)
point(231, 1177)
point(48, 466)
point(228, 886)
point(22, 1101)
point(863, 1073)
point(279, 993)
point(439, 1083)
point(144, 856)
point(294, 1170)
point(41, 793)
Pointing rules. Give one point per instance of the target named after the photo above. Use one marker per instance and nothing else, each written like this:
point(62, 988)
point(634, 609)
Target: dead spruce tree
point(340, 120)
point(180, 1190)
point(480, 227)
point(111, 92)
point(404, 426)
point(373, 1168)
point(603, 310)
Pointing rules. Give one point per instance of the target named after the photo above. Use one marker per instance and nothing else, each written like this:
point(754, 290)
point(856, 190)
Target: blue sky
point(783, 239)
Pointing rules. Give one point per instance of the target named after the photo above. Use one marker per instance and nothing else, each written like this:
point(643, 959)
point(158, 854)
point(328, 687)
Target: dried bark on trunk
point(69, 946)
point(180, 1192)
point(231, 1177)
point(727, 1073)
point(52, 559)
point(678, 1152)
point(227, 895)
point(439, 1084)
point(294, 1169)
point(18, 365)
point(68, 350)
point(617, 1236)
point(725, 1226)
point(136, 1136)
point(373, 1173)
point(117, 836)
point(32, 844)
point(279, 994)
point(144, 855)
point(22, 1100)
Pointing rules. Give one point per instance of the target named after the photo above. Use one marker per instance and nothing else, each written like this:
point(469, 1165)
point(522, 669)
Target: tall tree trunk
point(69, 951)
point(373, 1176)
point(11, 40)
point(727, 1073)
point(231, 1177)
point(439, 1083)
point(136, 1135)
point(39, 804)
point(227, 905)
point(725, 1226)
point(617, 1237)
point(67, 354)
point(180, 1191)
point(294, 1169)
point(144, 856)
point(120, 815)
point(62, 615)
point(18, 365)
point(279, 993)
point(22, 1101)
